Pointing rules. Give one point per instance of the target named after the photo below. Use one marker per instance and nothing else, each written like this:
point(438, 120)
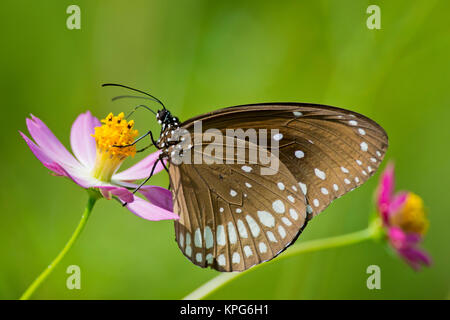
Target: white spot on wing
point(188, 239)
point(248, 251)
point(286, 221)
point(221, 260)
point(316, 202)
point(262, 247)
point(254, 228)
point(303, 187)
point(198, 238)
point(299, 154)
point(278, 206)
point(278, 136)
point(209, 258)
point(181, 240)
point(293, 214)
point(232, 233)
point(320, 174)
point(271, 236)
point(364, 146)
point(266, 218)
point(241, 229)
point(208, 237)
point(221, 239)
point(282, 232)
point(236, 258)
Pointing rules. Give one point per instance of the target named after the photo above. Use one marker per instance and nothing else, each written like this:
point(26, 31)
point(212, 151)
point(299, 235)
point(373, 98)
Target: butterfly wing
point(324, 152)
point(329, 150)
point(231, 216)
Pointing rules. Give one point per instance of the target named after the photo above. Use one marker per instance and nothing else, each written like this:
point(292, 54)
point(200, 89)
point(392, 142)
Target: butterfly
point(232, 216)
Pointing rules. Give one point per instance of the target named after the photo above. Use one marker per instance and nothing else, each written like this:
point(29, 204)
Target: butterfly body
point(169, 124)
point(232, 216)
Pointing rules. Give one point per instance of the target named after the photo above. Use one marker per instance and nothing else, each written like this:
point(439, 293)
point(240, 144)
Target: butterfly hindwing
point(232, 217)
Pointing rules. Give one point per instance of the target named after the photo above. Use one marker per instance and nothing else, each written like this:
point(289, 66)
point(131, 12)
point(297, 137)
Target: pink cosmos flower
point(404, 220)
point(97, 160)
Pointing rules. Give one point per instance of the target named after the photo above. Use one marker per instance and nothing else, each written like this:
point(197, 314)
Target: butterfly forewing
point(329, 150)
point(324, 152)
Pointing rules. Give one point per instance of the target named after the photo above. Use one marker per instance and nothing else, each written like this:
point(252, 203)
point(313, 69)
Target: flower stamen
point(111, 139)
point(412, 217)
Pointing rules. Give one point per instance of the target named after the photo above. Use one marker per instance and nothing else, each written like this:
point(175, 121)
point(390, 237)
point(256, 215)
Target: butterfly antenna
point(135, 97)
point(140, 106)
point(140, 91)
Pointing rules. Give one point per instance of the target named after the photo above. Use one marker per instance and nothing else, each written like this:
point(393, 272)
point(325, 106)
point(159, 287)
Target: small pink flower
point(96, 162)
point(404, 220)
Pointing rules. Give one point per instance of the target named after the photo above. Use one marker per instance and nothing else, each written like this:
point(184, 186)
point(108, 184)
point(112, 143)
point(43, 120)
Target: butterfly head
point(167, 120)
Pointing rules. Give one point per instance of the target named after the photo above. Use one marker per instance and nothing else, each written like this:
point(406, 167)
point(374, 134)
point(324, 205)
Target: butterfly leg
point(135, 141)
point(153, 143)
point(160, 159)
point(149, 133)
point(167, 170)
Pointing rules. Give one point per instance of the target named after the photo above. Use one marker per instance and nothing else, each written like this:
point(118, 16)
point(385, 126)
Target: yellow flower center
point(412, 217)
point(115, 132)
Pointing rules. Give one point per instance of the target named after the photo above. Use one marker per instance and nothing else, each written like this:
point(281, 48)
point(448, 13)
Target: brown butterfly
point(232, 217)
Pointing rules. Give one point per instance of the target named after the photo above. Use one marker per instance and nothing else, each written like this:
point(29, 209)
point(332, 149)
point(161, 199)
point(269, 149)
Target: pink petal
point(158, 196)
point(415, 257)
point(146, 210)
point(397, 237)
point(46, 140)
point(141, 169)
point(122, 193)
point(42, 157)
point(397, 203)
point(52, 165)
point(385, 190)
point(83, 144)
point(406, 246)
point(400, 239)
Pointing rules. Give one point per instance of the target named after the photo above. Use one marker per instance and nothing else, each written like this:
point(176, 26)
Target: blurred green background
point(198, 56)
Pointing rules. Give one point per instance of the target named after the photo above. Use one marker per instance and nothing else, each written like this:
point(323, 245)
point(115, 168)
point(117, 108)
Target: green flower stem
point(87, 212)
point(372, 232)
